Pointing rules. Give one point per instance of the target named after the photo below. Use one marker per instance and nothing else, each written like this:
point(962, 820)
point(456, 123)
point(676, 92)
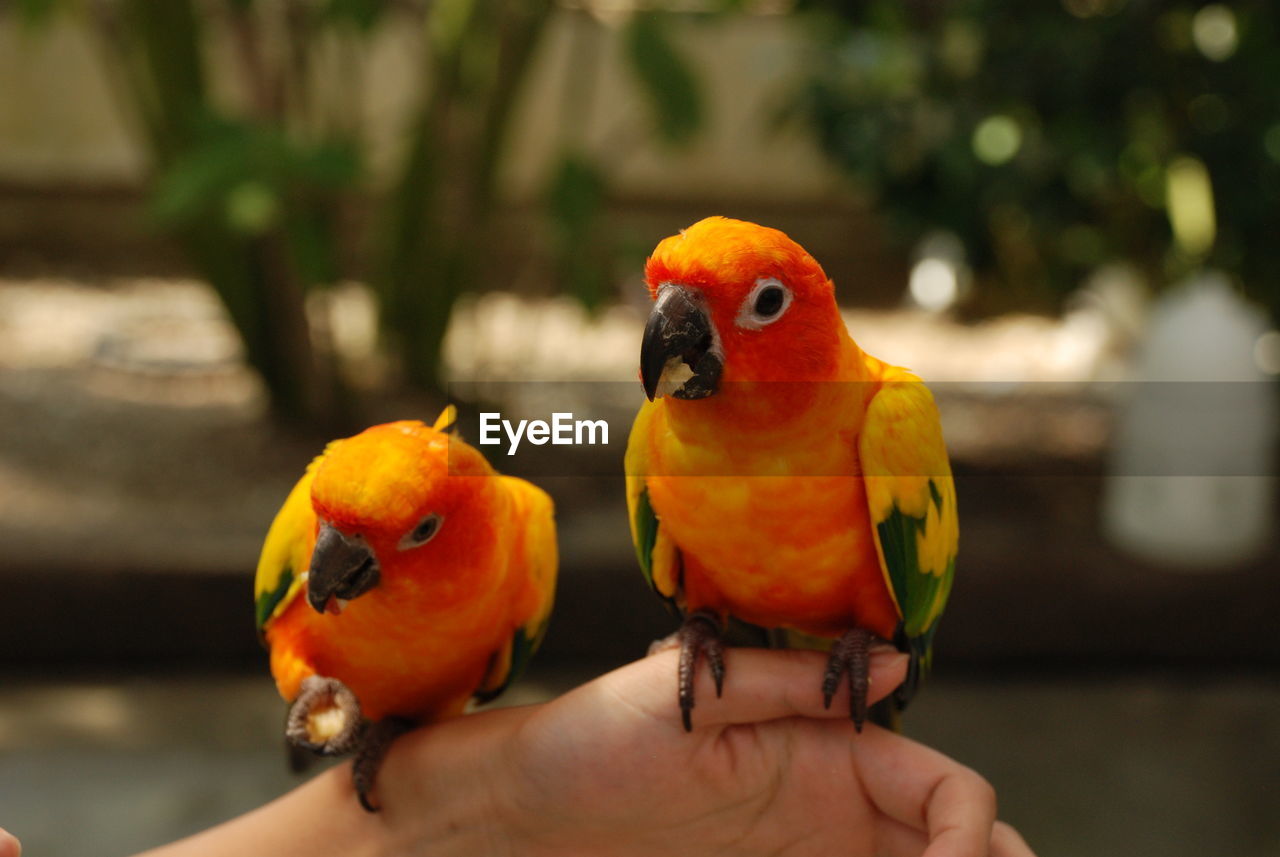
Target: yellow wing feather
point(540, 548)
point(912, 498)
point(658, 555)
point(533, 521)
point(286, 552)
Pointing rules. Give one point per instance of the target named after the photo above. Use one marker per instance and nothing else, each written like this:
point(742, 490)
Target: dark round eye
point(422, 533)
point(427, 528)
point(769, 301)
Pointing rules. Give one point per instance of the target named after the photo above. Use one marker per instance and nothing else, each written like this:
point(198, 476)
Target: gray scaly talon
point(700, 634)
point(325, 717)
point(851, 654)
point(377, 740)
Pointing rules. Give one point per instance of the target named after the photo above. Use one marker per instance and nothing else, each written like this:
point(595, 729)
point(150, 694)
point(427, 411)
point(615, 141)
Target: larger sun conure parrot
point(402, 577)
point(783, 477)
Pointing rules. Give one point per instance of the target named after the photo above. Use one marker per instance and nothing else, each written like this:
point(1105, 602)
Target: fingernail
point(888, 657)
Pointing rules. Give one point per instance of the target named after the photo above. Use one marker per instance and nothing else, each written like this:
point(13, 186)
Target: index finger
point(922, 788)
point(759, 685)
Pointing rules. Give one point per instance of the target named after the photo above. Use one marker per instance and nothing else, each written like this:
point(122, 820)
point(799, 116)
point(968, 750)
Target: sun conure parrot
point(402, 577)
point(783, 477)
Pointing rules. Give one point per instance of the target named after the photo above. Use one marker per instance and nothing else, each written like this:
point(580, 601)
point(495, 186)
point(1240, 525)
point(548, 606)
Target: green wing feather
point(912, 500)
point(658, 555)
point(286, 552)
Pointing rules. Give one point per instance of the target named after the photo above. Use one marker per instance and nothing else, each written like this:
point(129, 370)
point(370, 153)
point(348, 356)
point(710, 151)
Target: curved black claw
point(377, 740)
point(325, 718)
point(700, 634)
point(851, 654)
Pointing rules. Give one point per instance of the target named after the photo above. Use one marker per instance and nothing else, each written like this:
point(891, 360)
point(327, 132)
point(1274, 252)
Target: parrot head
point(386, 502)
point(734, 301)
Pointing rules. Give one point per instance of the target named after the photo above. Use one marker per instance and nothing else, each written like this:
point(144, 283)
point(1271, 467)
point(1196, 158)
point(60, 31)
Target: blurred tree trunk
point(439, 211)
point(158, 47)
point(251, 194)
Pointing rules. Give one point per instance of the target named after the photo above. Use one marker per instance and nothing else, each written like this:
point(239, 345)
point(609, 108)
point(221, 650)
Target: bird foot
point(699, 635)
point(850, 655)
point(325, 718)
point(377, 741)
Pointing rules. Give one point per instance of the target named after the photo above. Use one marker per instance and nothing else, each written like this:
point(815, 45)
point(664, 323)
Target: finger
point(893, 838)
point(921, 788)
point(9, 844)
point(959, 816)
point(1007, 842)
point(760, 685)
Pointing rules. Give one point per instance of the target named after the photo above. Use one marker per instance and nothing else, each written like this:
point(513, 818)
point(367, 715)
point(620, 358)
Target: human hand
point(9, 844)
point(608, 770)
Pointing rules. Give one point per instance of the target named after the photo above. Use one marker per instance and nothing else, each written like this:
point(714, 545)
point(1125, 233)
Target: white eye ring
point(749, 317)
point(423, 532)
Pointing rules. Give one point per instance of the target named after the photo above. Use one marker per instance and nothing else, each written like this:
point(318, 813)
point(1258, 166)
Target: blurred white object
point(1118, 294)
point(1190, 483)
point(939, 276)
point(1107, 316)
point(1266, 352)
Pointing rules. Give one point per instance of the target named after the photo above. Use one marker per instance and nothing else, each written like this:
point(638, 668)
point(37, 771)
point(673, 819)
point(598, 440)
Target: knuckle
point(980, 788)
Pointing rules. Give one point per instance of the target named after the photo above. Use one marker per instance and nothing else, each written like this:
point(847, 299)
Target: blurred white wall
point(58, 120)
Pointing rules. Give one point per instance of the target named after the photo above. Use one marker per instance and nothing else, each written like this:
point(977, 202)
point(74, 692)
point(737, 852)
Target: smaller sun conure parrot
point(779, 476)
point(402, 577)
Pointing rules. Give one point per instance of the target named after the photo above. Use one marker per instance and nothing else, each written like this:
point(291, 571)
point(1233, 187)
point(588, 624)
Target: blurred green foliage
point(1042, 133)
point(575, 199)
point(668, 80)
point(254, 183)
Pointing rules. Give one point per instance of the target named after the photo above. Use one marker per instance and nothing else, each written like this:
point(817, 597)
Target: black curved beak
point(679, 331)
point(342, 568)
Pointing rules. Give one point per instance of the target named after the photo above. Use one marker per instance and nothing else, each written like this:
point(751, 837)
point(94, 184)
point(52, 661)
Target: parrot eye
point(766, 303)
point(421, 534)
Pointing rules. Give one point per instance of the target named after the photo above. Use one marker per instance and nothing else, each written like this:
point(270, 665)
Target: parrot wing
point(659, 556)
point(536, 516)
point(911, 496)
point(286, 553)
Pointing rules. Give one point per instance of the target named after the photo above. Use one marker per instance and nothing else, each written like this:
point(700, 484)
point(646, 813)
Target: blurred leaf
point(200, 176)
point(449, 22)
point(363, 14)
point(310, 230)
point(576, 192)
point(575, 198)
point(236, 165)
point(37, 13)
point(665, 76)
point(252, 208)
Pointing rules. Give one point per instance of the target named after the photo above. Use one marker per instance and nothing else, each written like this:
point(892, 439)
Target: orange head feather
point(384, 482)
point(734, 268)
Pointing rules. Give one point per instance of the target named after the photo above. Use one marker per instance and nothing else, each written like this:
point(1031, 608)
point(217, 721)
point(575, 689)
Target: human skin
point(607, 770)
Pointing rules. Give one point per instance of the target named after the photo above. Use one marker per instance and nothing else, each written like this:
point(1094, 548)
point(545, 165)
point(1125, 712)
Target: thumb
point(9, 844)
